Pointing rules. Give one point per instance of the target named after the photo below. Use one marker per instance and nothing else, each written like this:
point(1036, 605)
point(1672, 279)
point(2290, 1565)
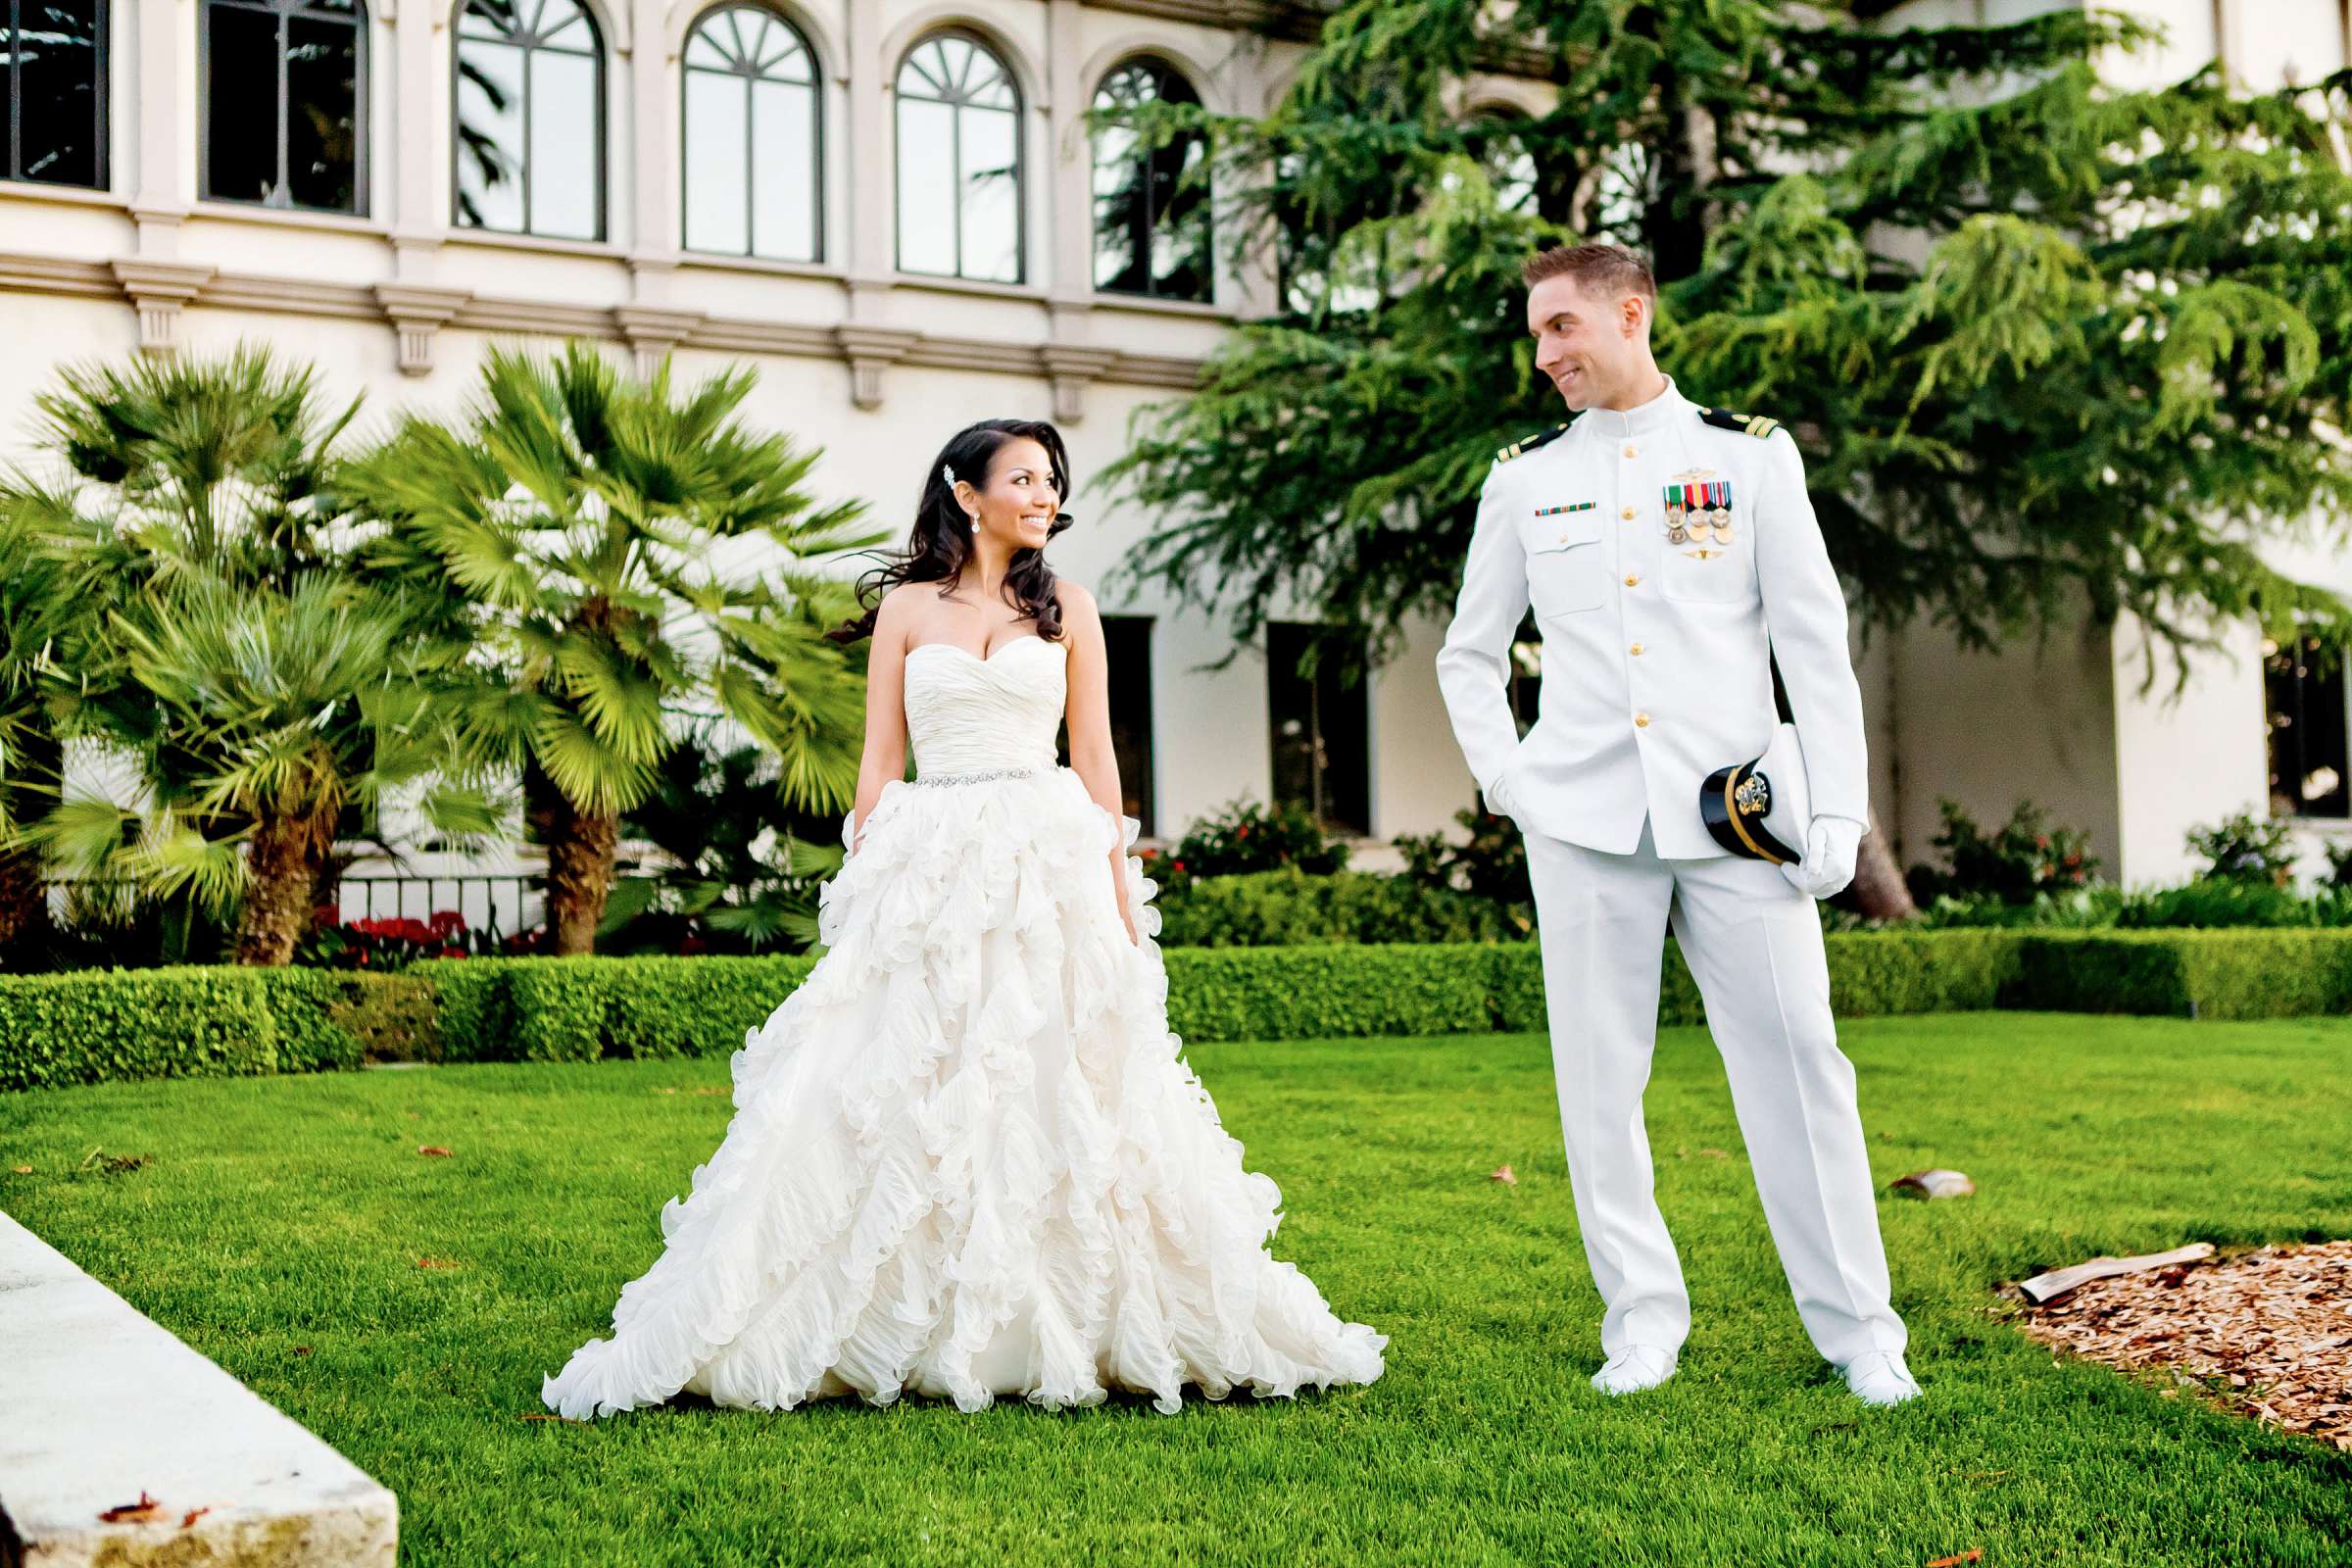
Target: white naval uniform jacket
point(1655, 658)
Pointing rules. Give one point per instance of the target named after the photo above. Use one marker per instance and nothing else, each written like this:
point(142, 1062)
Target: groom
point(1671, 556)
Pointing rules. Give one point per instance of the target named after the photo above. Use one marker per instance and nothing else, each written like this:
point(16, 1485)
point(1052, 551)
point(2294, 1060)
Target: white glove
point(1829, 862)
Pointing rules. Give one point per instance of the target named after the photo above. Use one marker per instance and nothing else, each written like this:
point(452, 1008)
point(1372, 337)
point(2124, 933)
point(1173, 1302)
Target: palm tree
point(225, 652)
point(38, 612)
point(633, 561)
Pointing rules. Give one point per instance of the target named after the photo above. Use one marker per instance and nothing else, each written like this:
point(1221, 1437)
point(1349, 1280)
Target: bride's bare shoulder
point(1075, 598)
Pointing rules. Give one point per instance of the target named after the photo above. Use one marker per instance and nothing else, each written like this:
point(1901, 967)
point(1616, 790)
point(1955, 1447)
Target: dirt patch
point(2267, 1333)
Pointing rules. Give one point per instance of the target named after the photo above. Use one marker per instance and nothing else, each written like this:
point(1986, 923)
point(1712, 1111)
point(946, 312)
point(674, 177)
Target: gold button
point(1628, 513)
point(1642, 720)
point(1632, 581)
point(1636, 650)
point(1628, 451)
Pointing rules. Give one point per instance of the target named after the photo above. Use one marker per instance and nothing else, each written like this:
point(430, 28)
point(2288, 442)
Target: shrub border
point(103, 1025)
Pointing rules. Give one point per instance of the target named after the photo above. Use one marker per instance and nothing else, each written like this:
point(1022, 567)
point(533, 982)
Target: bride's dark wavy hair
point(941, 541)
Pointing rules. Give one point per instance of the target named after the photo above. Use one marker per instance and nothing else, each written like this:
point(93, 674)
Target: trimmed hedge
point(2276, 972)
point(148, 1023)
point(96, 1026)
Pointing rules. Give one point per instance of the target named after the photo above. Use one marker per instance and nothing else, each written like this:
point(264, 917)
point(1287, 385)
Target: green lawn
point(291, 1211)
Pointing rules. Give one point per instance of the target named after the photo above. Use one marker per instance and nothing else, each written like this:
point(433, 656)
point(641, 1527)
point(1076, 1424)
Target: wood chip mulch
point(2268, 1333)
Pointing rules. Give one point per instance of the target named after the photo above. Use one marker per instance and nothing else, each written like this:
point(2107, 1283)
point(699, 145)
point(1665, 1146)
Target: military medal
point(1698, 512)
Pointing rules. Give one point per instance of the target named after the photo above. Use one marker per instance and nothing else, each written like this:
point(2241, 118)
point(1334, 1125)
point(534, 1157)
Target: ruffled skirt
point(966, 1159)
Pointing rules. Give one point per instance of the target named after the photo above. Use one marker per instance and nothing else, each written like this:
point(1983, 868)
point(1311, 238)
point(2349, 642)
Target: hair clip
point(946, 474)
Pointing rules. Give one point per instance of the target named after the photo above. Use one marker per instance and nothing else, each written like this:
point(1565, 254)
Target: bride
point(965, 1156)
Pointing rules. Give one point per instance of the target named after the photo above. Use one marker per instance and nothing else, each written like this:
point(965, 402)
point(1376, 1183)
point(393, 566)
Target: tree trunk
point(26, 926)
point(24, 923)
point(579, 878)
point(1878, 885)
point(285, 855)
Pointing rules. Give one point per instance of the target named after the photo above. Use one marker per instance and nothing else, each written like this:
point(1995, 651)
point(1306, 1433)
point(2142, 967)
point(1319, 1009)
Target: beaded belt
point(975, 778)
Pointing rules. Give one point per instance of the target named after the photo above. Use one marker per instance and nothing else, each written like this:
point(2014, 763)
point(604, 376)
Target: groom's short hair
point(1609, 270)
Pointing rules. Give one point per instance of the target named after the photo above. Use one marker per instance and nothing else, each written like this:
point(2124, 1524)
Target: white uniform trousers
point(1754, 945)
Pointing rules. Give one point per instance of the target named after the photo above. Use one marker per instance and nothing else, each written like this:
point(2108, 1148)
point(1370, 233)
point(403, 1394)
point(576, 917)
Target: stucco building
point(892, 209)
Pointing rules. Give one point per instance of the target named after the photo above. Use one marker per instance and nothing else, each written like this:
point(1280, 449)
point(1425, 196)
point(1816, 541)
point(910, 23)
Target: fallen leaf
point(543, 1415)
point(128, 1513)
point(414, 1115)
point(434, 1150)
point(1971, 1554)
point(710, 1090)
point(665, 1090)
point(1715, 1153)
point(436, 1263)
point(22, 1170)
point(302, 1349)
point(1504, 1175)
point(193, 1515)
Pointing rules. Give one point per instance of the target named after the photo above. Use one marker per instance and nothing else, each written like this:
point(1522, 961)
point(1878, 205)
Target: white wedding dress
point(965, 1157)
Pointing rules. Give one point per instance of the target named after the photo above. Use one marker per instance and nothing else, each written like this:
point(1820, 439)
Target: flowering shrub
point(394, 942)
point(2022, 861)
point(1244, 836)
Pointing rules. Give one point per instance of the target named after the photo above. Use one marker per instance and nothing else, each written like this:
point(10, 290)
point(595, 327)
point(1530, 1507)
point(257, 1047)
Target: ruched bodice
point(965, 714)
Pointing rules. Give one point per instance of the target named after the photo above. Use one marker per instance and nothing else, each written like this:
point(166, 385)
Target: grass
point(291, 1211)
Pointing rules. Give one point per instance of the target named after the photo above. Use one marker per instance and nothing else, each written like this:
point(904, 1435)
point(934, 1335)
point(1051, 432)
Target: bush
point(102, 1025)
point(1490, 865)
point(118, 1024)
point(1244, 836)
point(2247, 848)
point(2186, 974)
point(2022, 859)
point(1290, 909)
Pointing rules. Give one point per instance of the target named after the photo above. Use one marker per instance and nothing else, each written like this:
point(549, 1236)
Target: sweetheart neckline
point(977, 659)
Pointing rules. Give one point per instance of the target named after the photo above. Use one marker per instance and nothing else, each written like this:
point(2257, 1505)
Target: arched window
point(284, 107)
point(960, 162)
point(530, 131)
point(55, 69)
point(1509, 165)
point(753, 164)
point(1150, 222)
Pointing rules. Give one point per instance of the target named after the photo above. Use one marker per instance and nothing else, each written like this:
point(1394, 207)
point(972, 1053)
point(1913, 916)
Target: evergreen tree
point(2051, 346)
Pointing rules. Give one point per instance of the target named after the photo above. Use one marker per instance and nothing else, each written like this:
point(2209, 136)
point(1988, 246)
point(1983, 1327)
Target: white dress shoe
point(1881, 1378)
point(1635, 1368)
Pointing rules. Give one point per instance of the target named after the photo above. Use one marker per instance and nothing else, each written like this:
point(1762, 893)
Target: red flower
point(1177, 865)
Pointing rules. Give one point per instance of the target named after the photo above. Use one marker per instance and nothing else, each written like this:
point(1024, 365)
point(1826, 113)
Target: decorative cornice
point(159, 289)
point(870, 350)
point(1072, 368)
point(418, 312)
point(653, 330)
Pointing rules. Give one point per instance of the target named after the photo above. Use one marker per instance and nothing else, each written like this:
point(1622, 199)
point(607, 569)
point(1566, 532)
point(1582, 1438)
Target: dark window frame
point(102, 72)
point(1139, 237)
point(817, 139)
point(526, 45)
point(285, 10)
point(1020, 159)
point(2292, 663)
point(1130, 665)
point(1320, 768)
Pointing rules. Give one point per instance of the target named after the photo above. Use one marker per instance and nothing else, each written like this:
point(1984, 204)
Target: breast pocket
point(1709, 573)
point(1566, 568)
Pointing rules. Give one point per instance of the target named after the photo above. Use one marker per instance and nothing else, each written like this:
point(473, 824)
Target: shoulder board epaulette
point(1530, 443)
point(1755, 425)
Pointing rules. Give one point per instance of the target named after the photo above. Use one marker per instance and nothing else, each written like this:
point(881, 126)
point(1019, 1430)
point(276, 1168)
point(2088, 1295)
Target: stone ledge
point(99, 1404)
